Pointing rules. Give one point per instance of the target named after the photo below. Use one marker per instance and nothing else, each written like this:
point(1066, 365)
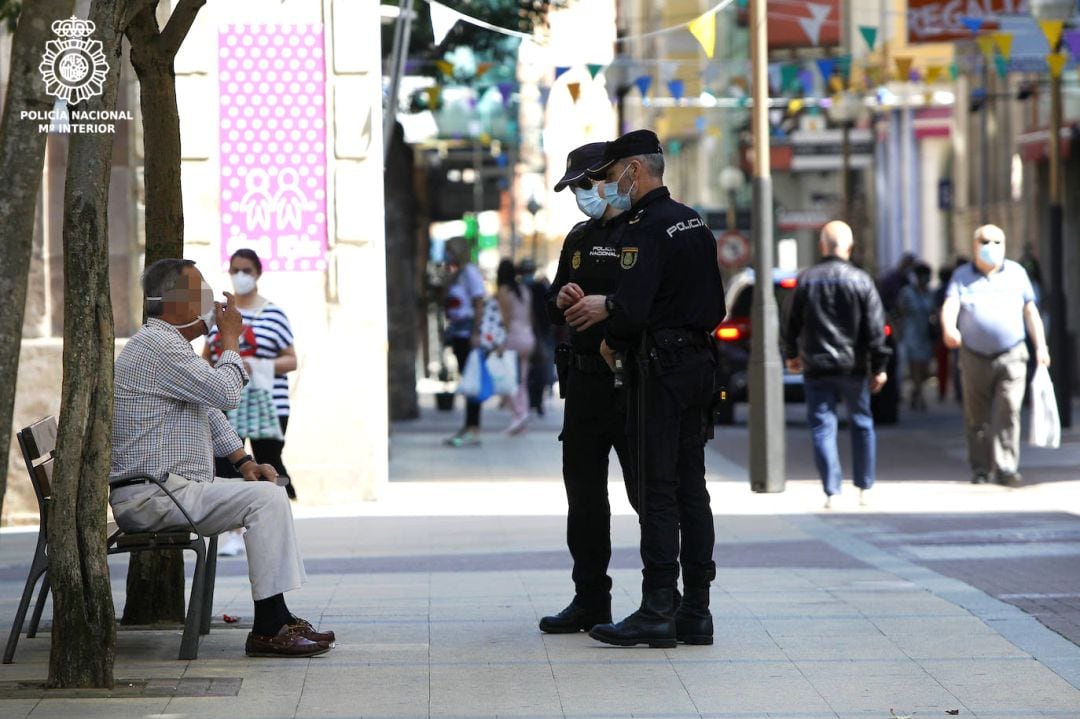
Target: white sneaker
point(828, 502)
point(862, 498)
point(230, 544)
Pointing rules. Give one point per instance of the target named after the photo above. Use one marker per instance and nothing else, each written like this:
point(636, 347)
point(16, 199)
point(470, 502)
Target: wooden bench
point(37, 442)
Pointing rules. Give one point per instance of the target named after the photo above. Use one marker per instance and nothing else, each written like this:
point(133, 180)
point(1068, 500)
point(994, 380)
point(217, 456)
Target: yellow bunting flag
point(836, 83)
point(934, 73)
point(704, 29)
point(1052, 30)
point(903, 68)
point(1057, 61)
point(794, 106)
point(986, 45)
point(1004, 41)
point(575, 90)
point(433, 94)
point(445, 67)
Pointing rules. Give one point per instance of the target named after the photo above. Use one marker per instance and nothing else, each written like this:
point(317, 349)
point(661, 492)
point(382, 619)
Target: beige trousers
point(993, 395)
point(274, 562)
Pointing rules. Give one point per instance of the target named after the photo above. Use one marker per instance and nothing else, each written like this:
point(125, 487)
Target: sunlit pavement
point(935, 598)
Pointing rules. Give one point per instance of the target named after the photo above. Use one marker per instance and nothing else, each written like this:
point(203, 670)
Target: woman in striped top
point(267, 335)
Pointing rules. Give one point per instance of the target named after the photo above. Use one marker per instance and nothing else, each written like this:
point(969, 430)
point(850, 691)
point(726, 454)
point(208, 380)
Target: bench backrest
point(37, 443)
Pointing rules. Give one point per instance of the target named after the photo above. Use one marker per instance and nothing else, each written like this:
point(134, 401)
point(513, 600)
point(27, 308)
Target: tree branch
point(178, 26)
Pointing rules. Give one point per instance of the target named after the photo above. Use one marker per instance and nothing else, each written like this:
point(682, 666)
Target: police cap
point(578, 161)
point(632, 144)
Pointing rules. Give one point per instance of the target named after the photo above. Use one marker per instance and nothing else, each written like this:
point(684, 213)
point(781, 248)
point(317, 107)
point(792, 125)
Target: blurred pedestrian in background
point(834, 334)
point(987, 305)
point(542, 359)
point(915, 308)
point(515, 303)
point(464, 307)
point(944, 358)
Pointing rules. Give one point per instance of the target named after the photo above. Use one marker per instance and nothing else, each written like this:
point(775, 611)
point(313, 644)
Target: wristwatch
point(242, 461)
point(609, 304)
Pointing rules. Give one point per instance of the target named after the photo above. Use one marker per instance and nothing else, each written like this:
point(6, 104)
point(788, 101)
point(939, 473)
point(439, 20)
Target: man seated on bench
point(168, 423)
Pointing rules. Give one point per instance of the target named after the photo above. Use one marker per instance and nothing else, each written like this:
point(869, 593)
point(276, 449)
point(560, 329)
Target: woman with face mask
point(266, 345)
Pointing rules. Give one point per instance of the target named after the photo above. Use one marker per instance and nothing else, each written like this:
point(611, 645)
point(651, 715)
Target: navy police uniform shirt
point(668, 274)
point(590, 259)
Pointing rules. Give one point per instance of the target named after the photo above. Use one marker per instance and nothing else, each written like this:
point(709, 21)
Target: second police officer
point(669, 299)
point(594, 420)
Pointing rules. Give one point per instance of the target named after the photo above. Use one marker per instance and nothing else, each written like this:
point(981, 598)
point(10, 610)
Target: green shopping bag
point(255, 417)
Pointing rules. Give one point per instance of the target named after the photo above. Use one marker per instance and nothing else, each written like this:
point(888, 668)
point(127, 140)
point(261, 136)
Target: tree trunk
point(84, 628)
point(155, 582)
point(22, 154)
point(401, 211)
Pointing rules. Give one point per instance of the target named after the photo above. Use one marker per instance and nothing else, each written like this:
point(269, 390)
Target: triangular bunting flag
point(869, 33)
point(903, 68)
point(575, 90)
point(594, 70)
point(836, 84)
point(699, 124)
point(1072, 39)
point(483, 67)
point(794, 106)
point(843, 63)
point(1057, 61)
point(1052, 30)
point(806, 81)
point(433, 93)
point(643, 84)
point(954, 71)
point(704, 31)
point(1004, 42)
point(545, 93)
point(443, 20)
point(812, 25)
point(677, 88)
point(559, 71)
point(445, 67)
point(972, 23)
point(873, 75)
point(675, 147)
point(789, 75)
point(986, 45)
point(776, 77)
point(1002, 65)
point(934, 73)
point(506, 89)
point(826, 65)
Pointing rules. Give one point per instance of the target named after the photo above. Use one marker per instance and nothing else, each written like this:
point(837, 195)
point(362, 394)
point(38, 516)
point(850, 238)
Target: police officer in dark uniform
point(669, 299)
point(594, 419)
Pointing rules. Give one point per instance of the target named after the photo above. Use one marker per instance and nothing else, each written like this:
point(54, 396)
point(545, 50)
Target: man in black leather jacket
point(834, 333)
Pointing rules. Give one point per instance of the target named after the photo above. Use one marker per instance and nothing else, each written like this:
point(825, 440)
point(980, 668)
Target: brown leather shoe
point(305, 629)
point(286, 643)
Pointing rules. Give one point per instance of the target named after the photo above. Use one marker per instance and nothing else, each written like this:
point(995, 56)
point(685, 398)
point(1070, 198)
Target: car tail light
point(788, 282)
point(733, 331)
point(888, 330)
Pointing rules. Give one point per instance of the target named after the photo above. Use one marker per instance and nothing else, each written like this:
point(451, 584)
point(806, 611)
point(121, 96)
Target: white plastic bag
point(475, 379)
point(1045, 423)
point(504, 372)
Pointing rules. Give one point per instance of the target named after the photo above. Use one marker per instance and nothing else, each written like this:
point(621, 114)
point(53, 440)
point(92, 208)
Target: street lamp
point(767, 446)
point(1059, 333)
point(845, 110)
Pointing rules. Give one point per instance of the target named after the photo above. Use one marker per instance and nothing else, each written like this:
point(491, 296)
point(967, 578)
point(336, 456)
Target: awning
point(1034, 145)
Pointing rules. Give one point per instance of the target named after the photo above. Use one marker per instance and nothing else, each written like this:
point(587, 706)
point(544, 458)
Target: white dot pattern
point(271, 81)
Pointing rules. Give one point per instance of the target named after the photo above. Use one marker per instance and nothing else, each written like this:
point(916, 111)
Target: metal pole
point(1061, 365)
point(845, 172)
point(984, 147)
point(398, 53)
point(767, 441)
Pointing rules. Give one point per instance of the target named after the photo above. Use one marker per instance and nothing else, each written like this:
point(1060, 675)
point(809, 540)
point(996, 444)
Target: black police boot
point(652, 624)
point(693, 621)
point(576, 618)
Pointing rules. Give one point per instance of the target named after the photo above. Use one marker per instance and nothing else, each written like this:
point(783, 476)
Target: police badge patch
point(628, 258)
point(575, 261)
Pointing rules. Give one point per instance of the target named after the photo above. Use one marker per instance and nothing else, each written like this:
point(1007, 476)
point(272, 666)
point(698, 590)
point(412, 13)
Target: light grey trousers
point(274, 562)
point(993, 395)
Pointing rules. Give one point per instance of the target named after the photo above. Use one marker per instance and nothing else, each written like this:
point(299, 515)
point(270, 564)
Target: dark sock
point(271, 615)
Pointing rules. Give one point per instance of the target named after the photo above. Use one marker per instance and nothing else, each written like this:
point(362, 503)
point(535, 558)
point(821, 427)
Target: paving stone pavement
point(435, 592)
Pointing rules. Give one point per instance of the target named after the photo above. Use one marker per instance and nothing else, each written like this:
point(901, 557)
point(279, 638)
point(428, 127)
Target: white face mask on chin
point(207, 316)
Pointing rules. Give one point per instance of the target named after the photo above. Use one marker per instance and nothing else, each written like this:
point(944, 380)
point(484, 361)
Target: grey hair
point(653, 164)
point(158, 279)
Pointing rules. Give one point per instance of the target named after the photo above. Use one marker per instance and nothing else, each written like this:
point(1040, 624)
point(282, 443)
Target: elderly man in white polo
point(987, 305)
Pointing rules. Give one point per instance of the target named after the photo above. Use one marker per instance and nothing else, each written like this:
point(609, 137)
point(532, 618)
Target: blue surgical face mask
point(619, 200)
point(590, 202)
point(992, 254)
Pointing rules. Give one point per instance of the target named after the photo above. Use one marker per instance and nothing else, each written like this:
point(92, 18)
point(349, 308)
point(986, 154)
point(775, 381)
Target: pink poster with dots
point(271, 81)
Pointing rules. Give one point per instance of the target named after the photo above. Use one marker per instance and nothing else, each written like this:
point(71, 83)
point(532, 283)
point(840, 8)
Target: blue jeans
point(822, 396)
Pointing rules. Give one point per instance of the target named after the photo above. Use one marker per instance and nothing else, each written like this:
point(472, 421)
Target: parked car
point(733, 335)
